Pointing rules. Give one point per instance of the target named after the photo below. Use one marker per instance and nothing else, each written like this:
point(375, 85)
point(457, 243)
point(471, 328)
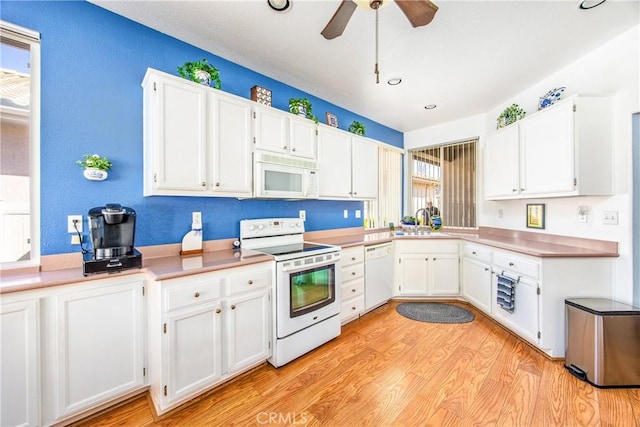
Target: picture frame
point(332, 120)
point(535, 215)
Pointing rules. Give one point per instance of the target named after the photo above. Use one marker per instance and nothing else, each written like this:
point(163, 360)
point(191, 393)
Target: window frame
point(31, 38)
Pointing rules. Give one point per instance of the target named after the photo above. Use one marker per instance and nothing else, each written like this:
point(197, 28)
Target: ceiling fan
point(418, 12)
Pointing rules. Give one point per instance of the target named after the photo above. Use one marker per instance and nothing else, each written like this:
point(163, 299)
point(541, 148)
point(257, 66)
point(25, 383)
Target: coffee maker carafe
point(112, 230)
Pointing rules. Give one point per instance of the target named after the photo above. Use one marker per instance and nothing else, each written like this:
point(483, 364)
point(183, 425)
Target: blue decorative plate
point(550, 97)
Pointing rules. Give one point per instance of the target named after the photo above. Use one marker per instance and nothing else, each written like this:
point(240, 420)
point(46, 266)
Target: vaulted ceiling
point(470, 58)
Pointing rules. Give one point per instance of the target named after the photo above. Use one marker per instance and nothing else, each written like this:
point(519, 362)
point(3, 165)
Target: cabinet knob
point(284, 148)
point(353, 308)
point(204, 184)
point(434, 259)
point(353, 290)
point(353, 258)
point(511, 264)
point(197, 294)
point(218, 311)
point(522, 189)
point(217, 184)
point(486, 269)
point(474, 252)
point(353, 273)
point(515, 190)
point(250, 282)
point(426, 259)
point(355, 193)
point(233, 307)
point(293, 149)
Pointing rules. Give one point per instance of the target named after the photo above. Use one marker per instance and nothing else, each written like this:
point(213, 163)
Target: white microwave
point(284, 177)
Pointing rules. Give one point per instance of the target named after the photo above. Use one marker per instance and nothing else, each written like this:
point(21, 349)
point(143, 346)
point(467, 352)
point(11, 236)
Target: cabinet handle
point(353, 308)
point(233, 307)
point(426, 259)
point(197, 294)
point(353, 290)
point(474, 252)
point(250, 282)
point(353, 258)
point(217, 184)
point(204, 184)
point(218, 311)
point(523, 189)
point(486, 269)
point(284, 148)
point(353, 273)
point(434, 259)
point(355, 193)
point(293, 149)
point(511, 264)
point(515, 190)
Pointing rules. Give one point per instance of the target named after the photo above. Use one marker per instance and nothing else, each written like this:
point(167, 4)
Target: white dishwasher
point(378, 270)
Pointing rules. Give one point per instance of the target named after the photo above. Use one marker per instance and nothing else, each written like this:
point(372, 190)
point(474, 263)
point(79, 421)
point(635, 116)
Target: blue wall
point(93, 62)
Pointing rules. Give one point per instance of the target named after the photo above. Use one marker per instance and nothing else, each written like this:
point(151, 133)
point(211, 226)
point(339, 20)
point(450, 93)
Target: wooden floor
point(386, 370)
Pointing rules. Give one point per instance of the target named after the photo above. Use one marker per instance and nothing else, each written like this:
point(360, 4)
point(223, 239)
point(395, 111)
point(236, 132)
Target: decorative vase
point(95, 174)
point(203, 77)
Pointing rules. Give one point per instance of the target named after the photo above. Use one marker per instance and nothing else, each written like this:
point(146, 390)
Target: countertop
point(161, 266)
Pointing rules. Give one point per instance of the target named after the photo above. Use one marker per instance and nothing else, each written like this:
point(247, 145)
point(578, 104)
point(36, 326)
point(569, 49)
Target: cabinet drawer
point(516, 264)
point(352, 272)
point(194, 292)
point(478, 253)
point(248, 280)
point(352, 307)
point(352, 289)
point(352, 255)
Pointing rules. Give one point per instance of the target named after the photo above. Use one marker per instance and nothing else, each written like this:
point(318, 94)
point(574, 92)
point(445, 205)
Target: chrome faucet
point(427, 219)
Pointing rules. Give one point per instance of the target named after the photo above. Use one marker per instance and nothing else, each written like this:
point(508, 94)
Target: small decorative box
point(261, 95)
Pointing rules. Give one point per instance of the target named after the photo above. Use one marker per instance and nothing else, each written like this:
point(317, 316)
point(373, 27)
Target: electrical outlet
point(358, 213)
point(610, 217)
point(346, 213)
point(73, 222)
point(302, 214)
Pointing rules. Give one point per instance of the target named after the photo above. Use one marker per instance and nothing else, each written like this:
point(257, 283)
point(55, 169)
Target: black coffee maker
point(112, 233)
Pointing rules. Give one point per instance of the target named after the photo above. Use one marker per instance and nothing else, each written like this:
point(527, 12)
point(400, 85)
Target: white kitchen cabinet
point(284, 133)
point(348, 165)
point(206, 328)
point(563, 150)
point(477, 276)
point(427, 267)
point(99, 335)
point(524, 320)
point(352, 291)
point(20, 361)
point(197, 140)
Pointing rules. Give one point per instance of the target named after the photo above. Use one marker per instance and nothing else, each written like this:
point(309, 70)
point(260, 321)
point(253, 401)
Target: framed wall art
point(332, 120)
point(535, 215)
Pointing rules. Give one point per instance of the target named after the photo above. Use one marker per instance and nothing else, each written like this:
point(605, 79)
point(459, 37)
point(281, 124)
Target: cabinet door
point(193, 344)
point(364, 174)
point(476, 283)
point(334, 163)
point(271, 132)
point(548, 162)
point(303, 140)
point(413, 274)
point(248, 329)
point(230, 135)
point(177, 134)
point(444, 277)
point(20, 357)
point(100, 342)
point(525, 318)
point(501, 164)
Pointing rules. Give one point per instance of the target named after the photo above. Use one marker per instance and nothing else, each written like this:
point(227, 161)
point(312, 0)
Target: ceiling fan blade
point(418, 12)
point(339, 20)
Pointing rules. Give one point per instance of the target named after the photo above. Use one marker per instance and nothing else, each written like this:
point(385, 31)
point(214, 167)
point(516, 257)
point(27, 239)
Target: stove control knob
point(298, 224)
point(252, 227)
point(292, 225)
point(260, 227)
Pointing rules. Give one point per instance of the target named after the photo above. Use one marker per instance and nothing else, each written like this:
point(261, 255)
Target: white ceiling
point(472, 57)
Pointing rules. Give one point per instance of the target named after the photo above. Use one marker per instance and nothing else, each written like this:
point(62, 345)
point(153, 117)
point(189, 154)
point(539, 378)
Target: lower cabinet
point(20, 355)
point(427, 267)
point(206, 328)
point(98, 344)
point(353, 287)
point(476, 276)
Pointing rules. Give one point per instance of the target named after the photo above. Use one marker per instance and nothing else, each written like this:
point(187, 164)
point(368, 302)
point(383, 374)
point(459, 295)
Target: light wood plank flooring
point(386, 370)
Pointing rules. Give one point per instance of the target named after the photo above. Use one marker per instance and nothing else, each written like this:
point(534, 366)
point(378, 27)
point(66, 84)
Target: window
point(388, 206)
point(443, 180)
point(19, 146)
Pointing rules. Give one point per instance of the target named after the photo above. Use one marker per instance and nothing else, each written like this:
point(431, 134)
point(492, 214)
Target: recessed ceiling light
point(430, 106)
point(590, 4)
point(279, 5)
point(394, 81)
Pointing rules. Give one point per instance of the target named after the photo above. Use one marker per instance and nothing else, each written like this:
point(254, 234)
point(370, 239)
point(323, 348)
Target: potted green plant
point(95, 166)
point(201, 72)
point(357, 127)
point(301, 107)
point(510, 115)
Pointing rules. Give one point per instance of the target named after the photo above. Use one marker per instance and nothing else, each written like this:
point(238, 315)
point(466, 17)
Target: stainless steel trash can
point(603, 342)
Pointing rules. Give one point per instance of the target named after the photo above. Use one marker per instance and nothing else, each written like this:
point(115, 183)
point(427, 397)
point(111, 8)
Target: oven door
point(307, 292)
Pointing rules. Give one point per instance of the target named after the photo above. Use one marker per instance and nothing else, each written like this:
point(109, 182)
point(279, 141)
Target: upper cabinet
point(348, 165)
point(281, 132)
point(563, 150)
point(197, 140)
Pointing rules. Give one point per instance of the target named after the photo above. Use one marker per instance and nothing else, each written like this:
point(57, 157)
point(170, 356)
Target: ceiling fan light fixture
point(590, 4)
point(279, 5)
point(430, 106)
point(394, 81)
